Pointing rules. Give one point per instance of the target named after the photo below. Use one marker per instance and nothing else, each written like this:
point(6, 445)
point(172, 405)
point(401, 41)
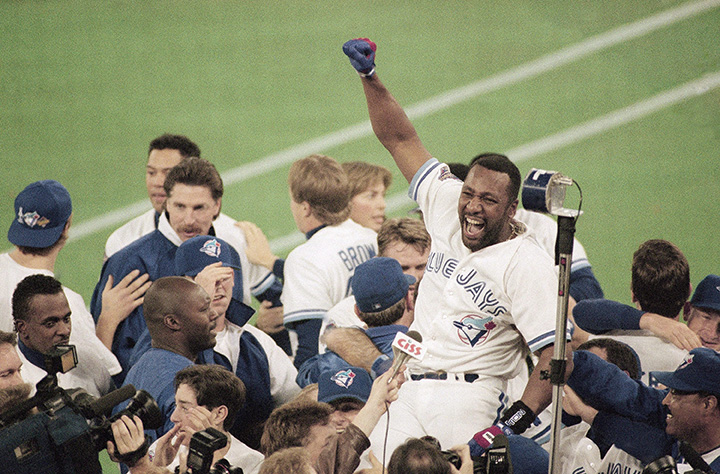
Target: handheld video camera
point(62, 431)
point(496, 459)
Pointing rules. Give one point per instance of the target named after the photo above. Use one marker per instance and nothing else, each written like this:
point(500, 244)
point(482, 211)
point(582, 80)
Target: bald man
point(181, 323)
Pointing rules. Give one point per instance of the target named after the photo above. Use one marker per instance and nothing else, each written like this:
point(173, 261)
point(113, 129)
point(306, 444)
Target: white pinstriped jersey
point(478, 312)
point(318, 272)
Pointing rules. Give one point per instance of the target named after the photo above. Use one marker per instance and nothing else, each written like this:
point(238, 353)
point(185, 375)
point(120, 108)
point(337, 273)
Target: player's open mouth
point(472, 227)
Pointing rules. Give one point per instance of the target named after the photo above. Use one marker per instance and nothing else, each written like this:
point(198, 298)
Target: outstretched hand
point(361, 52)
point(671, 330)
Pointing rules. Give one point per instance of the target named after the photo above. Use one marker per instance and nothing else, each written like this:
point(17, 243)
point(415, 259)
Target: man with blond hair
point(368, 185)
point(318, 272)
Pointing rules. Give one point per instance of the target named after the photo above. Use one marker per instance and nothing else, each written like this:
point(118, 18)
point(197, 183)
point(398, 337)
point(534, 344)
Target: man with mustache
point(43, 321)
point(194, 191)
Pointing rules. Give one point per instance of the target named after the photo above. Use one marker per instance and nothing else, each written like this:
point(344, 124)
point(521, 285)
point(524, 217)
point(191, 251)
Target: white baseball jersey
point(130, 232)
point(318, 272)
point(283, 387)
point(479, 313)
point(656, 354)
point(545, 230)
point(83, 325)
point(255, 278)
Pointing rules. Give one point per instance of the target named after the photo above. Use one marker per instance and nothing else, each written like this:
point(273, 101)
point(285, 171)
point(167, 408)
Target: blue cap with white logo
point(41, 211)
point(202, 250)
point(707, 293)
point(351, 382)
point(699, 372)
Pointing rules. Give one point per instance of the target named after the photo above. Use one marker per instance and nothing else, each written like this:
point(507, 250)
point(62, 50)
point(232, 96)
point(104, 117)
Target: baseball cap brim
point(37, 238)
point(670, 380)
point(193, 272)
point(339, 396)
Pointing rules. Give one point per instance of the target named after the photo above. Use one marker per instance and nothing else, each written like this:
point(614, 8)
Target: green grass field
point(84, 86)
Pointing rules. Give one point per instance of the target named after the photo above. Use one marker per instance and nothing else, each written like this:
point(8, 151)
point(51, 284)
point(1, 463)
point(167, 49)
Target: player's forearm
point(538, 393)
point(105, 330)
point(393, 128)
point(353, 345)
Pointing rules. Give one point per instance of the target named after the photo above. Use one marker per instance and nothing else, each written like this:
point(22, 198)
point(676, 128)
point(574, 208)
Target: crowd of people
point(316, 384)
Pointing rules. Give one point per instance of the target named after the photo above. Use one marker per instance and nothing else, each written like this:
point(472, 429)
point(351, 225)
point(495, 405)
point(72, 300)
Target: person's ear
point(171, 322)
point(220, 414)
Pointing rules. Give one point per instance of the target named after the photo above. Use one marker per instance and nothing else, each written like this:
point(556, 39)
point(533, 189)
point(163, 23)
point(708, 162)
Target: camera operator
point(12, 387)
point(419, 456)
point(129, 437)
point(206, 396)
point(43, 320)
point(689, 410)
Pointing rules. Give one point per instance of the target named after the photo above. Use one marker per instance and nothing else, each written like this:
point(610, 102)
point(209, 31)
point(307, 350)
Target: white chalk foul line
point(562, 139)
point(434, 104)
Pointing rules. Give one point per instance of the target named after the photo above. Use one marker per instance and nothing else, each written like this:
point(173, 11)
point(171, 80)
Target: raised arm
point(390, 124)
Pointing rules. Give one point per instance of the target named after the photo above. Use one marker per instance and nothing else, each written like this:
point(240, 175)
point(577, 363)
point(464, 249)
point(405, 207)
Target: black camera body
point(496, 459)
point(62, 431)
point(203, 445)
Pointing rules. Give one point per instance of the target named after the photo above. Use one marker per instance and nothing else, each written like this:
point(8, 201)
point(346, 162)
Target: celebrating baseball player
point(488, 296)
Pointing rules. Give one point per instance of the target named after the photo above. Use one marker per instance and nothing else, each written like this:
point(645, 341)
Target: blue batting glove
point(482, 440)
point(361, 52)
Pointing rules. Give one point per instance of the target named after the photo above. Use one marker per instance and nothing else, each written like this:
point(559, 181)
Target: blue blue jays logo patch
point(211, 248)
point(344, 378)
point(474, 329)
point(32, 219)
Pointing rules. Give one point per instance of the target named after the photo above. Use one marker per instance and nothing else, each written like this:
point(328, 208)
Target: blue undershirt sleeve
point(600, 316)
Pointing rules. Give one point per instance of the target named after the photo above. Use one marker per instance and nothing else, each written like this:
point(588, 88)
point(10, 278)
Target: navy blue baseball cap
point(698, 372)
point(351, 382)
point(199, 252)
point(707, 293)
point(379, 283)
point(42, 209)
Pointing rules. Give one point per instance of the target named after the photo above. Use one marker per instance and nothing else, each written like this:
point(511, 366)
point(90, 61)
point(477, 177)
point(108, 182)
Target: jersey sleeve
point(604, 386)
point(131, 328)
point(598, 316)
point(436, 191)
point(645, 442)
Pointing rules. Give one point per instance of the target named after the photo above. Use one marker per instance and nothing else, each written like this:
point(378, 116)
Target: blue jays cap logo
point(474, 329)
point(32, 219)
point(211, 248)
point(344, 378)
point(688, 360)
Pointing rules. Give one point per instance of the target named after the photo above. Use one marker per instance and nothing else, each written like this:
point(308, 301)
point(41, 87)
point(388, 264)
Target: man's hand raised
point(361, 52)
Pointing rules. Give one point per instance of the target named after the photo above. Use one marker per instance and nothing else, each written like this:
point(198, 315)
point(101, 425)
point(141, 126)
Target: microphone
point(406, 346)
point(104, 405)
